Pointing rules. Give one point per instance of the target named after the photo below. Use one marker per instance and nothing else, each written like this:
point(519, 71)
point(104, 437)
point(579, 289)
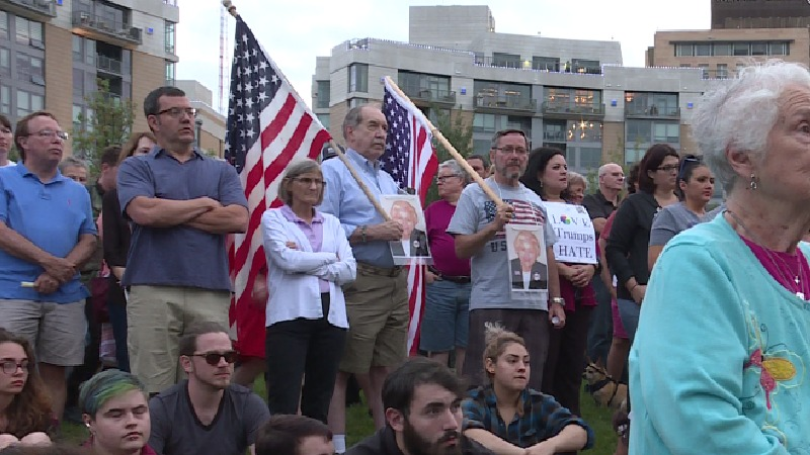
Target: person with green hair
point(116, 412)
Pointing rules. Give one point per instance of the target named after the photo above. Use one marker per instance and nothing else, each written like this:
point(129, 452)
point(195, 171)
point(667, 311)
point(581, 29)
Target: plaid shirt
point(541, 417)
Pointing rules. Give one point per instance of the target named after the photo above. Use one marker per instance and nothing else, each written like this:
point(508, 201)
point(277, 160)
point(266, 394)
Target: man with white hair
point(600, 205)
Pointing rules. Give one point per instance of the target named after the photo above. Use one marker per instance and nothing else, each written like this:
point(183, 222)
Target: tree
point(459, 133)
point(110, 123)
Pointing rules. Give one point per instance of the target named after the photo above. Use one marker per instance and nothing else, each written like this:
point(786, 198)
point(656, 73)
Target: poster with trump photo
point(576, 238)
point(406, 210)
point(528, 263)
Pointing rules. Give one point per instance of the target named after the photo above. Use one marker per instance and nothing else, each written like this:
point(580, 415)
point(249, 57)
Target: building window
point(324, 95)
point(583, 159)
point(503, 60)
point(5, 100)
point(554, 132)
point(740, 49)
point(481, 146)
point(583, 131)
point(3, 25)
point(324, 119)
point(684, 50)
point(484, 123)
point(738, 69)
point(776, 49)
point(28, 32)
point(759, 48)
point(639, 132)
point(358, 78)
point(89, 51)
point(685, 65)
point(5, 65)
point(667, 132)
point(586, 66)
point(77, 48)
point(722, 49)
point(29, 69)
point(28, 102)
point(722, 71)
point(77, 119)
point(703, 50)
point(546, 63)
point(170, 37)
point(170, 73)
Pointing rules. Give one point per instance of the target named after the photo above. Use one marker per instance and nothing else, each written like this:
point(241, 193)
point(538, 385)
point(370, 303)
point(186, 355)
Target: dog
point(605, 390)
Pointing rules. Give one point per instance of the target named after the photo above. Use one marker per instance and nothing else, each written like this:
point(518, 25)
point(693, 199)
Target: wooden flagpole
point(363, 187)
point(453, 152)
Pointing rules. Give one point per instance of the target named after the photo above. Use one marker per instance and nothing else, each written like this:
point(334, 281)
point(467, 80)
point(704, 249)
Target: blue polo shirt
point(179, 256)
point(52, 216)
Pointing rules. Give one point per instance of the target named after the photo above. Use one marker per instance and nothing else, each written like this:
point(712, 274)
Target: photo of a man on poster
point(527, 270)
point(406, 210)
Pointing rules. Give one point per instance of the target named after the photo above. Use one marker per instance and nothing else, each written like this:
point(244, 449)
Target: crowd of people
point(114, 293)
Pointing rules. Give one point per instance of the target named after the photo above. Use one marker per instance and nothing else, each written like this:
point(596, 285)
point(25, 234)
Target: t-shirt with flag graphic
point(491, 285)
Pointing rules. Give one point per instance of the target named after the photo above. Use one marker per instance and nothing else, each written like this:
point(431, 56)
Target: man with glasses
point(206, 413)
point(47, 233)
point(479, 229)
point(600, 205)
point(182, 205)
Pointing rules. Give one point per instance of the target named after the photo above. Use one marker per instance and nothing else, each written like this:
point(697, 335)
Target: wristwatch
point(558, 300)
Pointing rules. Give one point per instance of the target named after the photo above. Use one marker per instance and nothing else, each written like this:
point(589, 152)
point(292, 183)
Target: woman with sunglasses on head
point(309, 259)
point(25, 410)
point(116, 413)
point(695, 189)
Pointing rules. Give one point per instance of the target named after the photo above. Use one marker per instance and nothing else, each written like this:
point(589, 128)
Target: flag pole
point(453, 152)
point(228, 4)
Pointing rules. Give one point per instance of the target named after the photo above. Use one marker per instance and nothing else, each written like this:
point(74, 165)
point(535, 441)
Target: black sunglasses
point(212, 358)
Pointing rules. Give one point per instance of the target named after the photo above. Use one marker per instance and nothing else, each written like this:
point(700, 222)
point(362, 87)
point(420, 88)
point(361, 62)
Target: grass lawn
point(359, 424)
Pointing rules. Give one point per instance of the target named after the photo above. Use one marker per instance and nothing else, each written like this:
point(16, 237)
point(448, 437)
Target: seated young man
point(508, 417)
point(422, 401)
point(294, 435)
point(206, 413)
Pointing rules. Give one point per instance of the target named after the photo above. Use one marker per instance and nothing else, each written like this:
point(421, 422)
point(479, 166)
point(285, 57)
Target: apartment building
point(570, 94)
point(53, 52)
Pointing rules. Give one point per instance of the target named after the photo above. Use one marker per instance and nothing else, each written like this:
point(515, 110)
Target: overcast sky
point(294, 32)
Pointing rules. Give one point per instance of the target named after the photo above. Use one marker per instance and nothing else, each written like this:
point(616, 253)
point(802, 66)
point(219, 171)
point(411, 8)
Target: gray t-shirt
point(176, 430)
point(670, 221)
point(491, 284)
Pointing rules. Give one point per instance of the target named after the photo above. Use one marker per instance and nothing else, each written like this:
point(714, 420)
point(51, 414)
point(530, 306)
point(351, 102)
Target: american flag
point(410, 160)
point(269, 126)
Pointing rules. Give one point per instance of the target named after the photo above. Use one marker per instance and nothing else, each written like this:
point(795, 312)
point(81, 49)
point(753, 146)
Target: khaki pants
point(157, 317)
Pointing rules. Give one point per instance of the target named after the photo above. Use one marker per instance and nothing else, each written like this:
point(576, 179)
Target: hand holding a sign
point(582, 274)
point(388, 231)
point(504, 214)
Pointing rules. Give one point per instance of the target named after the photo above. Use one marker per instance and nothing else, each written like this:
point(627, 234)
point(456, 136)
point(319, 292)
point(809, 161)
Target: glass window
point(721, 49)
point(759, 48)
point(703, 50)
point(546, 63)
point(77, 48)
point(78, 82)
point(685, 65)
point(3, 25)
point(589, 158)
point(666, 132)
point(638, 132)
point(776, 49)
point(684, 50)
point(21, 26)
point(584, 131)
point(324, 118)
point(23, 103)
point(170, 73)
point(633, 154)
point(586, 66)
point(358, 77)
point(5, 100)
point(505, 60)
point(35, 31)
point(170, 37)
point(324, 94)
point(354, 102)
point(553, 132)
point(37, 102)
point(481, 146)
point(4, 59)
point(77, 123)
point(722, 71)
point(741, 49)
point(705, 69)
point(484, 123)
point(90, 51)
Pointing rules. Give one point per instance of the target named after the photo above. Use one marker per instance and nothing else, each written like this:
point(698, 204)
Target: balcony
point(568, 110)
point(651, 112)
point(108, 65)
point(504, 104)
point(101, 28)
point(426, 97)
point(38, 10)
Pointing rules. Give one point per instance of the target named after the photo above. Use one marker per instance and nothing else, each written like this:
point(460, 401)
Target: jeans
point(446, 322)
point(629, 311)
point(600, 331)
point(118, 319)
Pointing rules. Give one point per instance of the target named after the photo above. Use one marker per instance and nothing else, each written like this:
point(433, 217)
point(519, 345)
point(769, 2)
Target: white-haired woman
point(308, 258)
point(719, 363)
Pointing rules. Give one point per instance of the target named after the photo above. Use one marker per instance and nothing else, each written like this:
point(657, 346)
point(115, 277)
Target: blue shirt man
point(47, 233)
point(182, 205)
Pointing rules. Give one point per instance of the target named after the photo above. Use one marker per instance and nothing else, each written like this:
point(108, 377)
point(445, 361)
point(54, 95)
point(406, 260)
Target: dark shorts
point(446, 321)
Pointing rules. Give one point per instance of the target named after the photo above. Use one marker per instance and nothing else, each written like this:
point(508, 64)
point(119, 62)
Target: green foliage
point(110, 123)
point(13, 155)
point(459, 133)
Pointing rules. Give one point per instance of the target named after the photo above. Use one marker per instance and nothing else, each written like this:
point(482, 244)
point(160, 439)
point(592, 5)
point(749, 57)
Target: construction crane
point(223, 33)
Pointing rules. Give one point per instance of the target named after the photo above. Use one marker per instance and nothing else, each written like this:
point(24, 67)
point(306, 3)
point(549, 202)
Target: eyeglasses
point(10, 366)
point(212, 358)
point(668, 168)
point(510, 150)
point(178, 112)
point(309, 181)
point(50, 134)
point(441, 179)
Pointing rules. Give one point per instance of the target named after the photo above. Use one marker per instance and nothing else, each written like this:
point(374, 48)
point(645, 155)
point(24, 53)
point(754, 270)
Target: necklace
point(799, 288)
